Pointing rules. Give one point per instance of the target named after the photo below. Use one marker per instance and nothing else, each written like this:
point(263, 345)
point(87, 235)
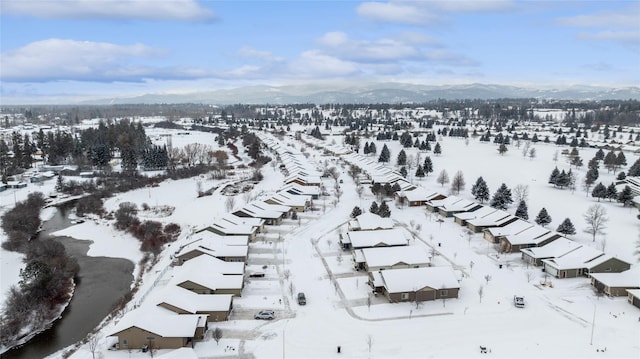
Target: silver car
point(265, 314)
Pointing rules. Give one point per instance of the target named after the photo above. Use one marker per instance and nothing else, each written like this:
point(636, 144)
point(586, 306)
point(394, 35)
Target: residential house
point(495, 234)
point(418, 196)
point(213, 248)
point(464, 205)
point(634, 297)
point(616, 284)
point(461, 218)
point(205, 282)
point(557, 248)
point(369, 222)
point(583, 261)
point(496, 219)
point(368, 239)
point(182, 301)
point(153, 328)
point(419, 284)
point(383, 258)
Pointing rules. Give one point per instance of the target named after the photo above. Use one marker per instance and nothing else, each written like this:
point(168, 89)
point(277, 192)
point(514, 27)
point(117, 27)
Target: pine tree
point(612, 192)
point(385, 155)
point(427, 166)
point(610, 161)
point(522, 211)
point(599, 191)
point(437, 149)
point(59, 184)
point(403, 171)
point(600, 155)
point(553, 179)
point(626, 196)
point(356, 212)
point(402, 158)
point(480, 190)
point(502, 198)
point(634, 170)
point(621, 176)
point(420, 172)
point(372, 148)
point(566, 227)
point(374, 208)
point(383, 210)
point(502, 149)
point(591, 177)
point(543, 217)
point(621, 160)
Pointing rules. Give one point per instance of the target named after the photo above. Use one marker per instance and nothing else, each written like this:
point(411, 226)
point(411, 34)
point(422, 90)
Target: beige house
point(182, 301)
point(154, 329)
point(417, 284)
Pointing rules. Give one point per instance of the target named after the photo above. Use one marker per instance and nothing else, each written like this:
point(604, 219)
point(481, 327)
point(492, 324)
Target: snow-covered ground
point(557, 322)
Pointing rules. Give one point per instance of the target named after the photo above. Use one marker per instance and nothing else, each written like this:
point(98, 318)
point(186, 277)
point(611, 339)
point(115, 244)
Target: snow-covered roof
point(459, 206)
point(629, 278)
point(191, 302)
point(580, 258)
point(383, 237)
point(206, 279)
point(515, 227)
point(214, 265)
point(241, 221)
point(634, 292)
point(449, 201)
point(532, 235)
point(493, 218)
point(160, 322)
point(480, 212)
point(389, 256)
point(556, 248)
point(288, 199)
point(370, 221)
point(412, 279)
point(299, 189)
point(223, 247)
point(419, 194)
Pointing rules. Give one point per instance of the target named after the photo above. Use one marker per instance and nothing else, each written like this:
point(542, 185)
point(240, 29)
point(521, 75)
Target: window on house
point(124, 343)
point(404, 296)
point(608, 269)
point(444, 293)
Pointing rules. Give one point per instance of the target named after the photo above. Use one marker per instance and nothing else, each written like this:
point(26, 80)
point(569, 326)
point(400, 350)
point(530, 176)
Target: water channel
point(101, 281)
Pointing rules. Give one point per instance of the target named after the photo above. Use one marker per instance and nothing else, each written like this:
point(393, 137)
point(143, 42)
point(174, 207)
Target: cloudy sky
point(64, 51)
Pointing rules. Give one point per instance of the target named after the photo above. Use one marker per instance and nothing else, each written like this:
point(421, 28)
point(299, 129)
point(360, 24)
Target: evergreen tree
point(356, 212)
point(403, 171)
point(553, 179)
point(365, 149)
point(501, 198)
point(383, 210)
point(566, 227)
point(591, 177)
point(634, 170)
point(502, 149)
point(621, 160)
point(437, 149)
point(522, 211)
point(610, 161)
point(480, 190)
point(621, 176)
point(600, 155)
point(59, 184)
point(420, 172)
point(385, 155)
point(543, 217)
point(402, 158)
point(374, 208)
point(626, 196)
point(599, 191)
point(372, 148)
point(427, 166)
point(612, 192)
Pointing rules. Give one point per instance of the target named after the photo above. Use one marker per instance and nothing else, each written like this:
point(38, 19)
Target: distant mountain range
point(375, 93)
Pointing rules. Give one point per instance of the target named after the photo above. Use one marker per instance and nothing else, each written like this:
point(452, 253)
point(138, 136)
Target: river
point(100, 282)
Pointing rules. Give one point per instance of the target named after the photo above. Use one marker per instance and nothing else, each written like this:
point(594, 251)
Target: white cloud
point(313, 63)
point(472, 5)
point(340, 45)
point(62, 59)
point(183, 10)
point(628, 19)
point(259, 54)
point(620, 36)
point(397, 13)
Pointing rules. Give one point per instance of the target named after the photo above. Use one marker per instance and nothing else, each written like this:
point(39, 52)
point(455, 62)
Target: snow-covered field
point(558, 321)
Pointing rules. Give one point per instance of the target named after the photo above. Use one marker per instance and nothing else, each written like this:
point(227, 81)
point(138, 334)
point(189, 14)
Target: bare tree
point(359, 191)
point(369, 302)
point(369, 342)
point(443, 178)
point(521, 193)
point(480, 293)
point(230, 203)
point(471, 266)
point(487, 278)
point(525, 149)
point(93, 345)
point(217, 335)
point(603, 244)
point(596, 218)
point(458, 182)
point(529, 275)
point(532, 153)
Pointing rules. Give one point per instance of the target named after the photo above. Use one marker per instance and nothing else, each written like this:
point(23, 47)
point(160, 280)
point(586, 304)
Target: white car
point(265, 314)
point(518, 301)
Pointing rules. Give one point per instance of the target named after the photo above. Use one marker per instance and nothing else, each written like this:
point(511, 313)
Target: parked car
point(518, 301)
point(302, 300)
point(265, 314)
point(256, 275)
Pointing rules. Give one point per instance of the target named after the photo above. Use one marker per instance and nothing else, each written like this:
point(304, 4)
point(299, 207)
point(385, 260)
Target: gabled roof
point(161, 323)
point(629, 278)
point(583, 257)
point(383, 237)
point(191, 302)
point(371, 221)
point(413, 279)
point(478, 213)
point(495, 218)
point(213, 265)
point(532, 235)
point(206, 279)
point(240, 221)
point(389, 256)
point(515, 227)
point(556, 248)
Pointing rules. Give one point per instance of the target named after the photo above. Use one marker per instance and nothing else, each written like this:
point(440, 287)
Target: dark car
point(302, 300)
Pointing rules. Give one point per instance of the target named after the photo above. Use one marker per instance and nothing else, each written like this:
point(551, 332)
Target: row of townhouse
point(207, 272)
